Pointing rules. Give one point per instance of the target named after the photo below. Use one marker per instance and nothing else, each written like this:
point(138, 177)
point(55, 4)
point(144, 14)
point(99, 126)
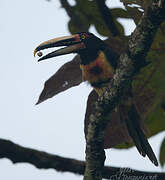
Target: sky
point(55, 126)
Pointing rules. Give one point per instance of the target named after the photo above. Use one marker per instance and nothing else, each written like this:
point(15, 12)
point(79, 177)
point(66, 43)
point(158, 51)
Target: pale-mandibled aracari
point(98, 64)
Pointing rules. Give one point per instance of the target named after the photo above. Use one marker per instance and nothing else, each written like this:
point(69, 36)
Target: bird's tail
point(137, 135)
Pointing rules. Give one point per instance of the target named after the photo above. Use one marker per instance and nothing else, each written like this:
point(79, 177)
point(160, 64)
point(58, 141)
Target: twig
point(67, 7)
point(74, 15)
point(107, 17)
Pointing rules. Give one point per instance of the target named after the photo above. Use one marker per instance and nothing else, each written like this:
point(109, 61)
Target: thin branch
point(74, 15)
point(43, 160)
point(130, 63)
point(67, 7)
point(107, 17)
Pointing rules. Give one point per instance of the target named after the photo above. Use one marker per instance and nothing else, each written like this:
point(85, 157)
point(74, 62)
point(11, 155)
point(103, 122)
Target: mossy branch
point(130, 63)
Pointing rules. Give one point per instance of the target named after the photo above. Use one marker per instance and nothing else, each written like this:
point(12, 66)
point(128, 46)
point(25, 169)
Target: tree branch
point(43, 160)
point(67, 7)
point(107, 17)
point(74, 15)
point(130, 63)
point(40, 159)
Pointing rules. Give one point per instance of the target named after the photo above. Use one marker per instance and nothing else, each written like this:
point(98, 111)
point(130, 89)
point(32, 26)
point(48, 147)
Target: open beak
point(73, 44)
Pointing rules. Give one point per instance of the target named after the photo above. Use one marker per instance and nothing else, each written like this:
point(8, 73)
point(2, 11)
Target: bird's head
point(85, 44)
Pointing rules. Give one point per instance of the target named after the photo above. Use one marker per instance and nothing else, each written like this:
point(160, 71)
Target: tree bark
point(130, 63)
point(43, 160)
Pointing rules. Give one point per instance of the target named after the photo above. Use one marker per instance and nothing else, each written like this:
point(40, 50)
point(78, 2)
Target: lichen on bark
point(130, 63)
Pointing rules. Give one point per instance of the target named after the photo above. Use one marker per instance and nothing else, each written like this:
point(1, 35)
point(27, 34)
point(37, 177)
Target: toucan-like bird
point(98, 64)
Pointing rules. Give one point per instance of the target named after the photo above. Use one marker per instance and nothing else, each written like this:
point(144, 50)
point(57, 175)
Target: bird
point(98, 64)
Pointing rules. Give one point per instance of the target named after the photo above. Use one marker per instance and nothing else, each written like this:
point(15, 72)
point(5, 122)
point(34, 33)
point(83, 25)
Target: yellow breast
point(98, 70)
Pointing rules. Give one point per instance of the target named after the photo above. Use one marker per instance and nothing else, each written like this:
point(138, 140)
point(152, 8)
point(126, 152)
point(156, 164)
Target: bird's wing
point(116, 130)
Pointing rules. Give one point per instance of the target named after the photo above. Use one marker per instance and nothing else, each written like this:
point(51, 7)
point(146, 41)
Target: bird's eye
point(83, 37)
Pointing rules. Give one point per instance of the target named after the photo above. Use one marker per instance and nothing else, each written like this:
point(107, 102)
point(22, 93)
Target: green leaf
point(120, 13)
